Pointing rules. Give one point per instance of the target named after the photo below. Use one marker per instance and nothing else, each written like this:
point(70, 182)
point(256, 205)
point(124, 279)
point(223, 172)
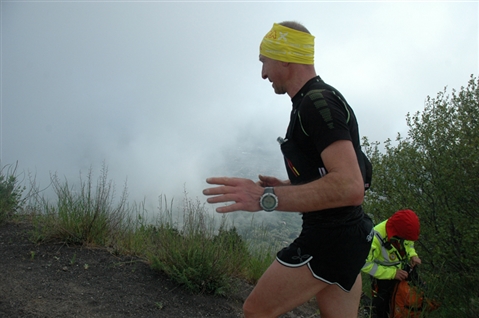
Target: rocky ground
point(60, 280)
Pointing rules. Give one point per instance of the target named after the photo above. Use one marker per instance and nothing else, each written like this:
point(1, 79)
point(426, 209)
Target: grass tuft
point(197, 255)
point(198, 251)
point(85, 215)
point(10, 192)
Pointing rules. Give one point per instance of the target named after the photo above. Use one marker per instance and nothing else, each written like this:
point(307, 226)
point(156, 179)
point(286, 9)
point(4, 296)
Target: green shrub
point(434, 171)
point(10, 192)
point(196, 255)
point(88, 215)
point(198, 251)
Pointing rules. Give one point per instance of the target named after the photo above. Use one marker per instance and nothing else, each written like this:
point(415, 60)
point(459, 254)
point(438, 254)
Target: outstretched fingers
point(231, 208)
point(226, 187)
point(228, 181)
point(238, 190)
point(220, 198)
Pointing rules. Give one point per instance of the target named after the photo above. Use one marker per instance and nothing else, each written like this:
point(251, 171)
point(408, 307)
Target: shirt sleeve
point(324, 117)
point(410, 250)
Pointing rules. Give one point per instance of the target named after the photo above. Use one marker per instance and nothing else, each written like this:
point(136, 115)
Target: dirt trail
point(57, 280)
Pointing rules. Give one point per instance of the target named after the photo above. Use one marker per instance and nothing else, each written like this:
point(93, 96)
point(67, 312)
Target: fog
point(165, 94)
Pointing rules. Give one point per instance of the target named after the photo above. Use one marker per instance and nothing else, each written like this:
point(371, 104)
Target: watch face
point(269, 202)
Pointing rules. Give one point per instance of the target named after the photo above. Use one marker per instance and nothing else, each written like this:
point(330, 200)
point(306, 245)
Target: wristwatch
point(268, 201)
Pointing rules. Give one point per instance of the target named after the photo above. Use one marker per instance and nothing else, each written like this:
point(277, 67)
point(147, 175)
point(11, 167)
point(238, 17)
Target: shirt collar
point(306, 87)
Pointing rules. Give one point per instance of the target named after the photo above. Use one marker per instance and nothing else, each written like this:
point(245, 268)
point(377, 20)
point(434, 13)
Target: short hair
point(295, 26)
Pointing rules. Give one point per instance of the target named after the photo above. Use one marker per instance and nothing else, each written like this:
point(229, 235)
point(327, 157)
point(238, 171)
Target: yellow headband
point(288, 45)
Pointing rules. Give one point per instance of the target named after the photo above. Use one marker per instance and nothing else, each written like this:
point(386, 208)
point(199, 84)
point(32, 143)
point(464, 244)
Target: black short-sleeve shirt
point(320, 116)
point(323, 117)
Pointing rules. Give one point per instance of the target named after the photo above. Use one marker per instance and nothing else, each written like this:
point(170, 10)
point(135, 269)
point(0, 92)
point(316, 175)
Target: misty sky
point(169, 93)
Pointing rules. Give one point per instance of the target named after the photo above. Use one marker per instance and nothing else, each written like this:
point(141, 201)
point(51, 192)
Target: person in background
point(391, 258)
point(321, 149)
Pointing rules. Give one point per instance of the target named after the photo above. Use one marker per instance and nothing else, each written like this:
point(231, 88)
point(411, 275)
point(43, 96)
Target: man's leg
point(335, 302)
point(281, 289)
point(383, 297)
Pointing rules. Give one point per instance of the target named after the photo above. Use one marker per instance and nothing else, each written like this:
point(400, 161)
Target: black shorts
point(335, 254)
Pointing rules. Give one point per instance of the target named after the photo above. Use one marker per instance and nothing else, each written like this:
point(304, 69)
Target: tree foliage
point(435, 172)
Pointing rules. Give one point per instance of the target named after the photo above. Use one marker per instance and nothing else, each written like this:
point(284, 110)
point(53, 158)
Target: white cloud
point(161, 91)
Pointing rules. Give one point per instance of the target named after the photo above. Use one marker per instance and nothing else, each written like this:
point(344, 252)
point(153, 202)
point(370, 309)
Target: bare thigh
point(281, 289)
point(335, 302)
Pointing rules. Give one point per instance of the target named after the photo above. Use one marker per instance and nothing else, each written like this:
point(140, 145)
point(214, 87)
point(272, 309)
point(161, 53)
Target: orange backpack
point(408, 301)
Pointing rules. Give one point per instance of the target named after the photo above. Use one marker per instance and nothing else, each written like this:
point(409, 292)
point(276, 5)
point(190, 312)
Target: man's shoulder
point(323, 101)
point(321, 97)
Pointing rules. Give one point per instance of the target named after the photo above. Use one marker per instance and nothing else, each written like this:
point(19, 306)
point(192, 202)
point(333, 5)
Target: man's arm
point(342, 186)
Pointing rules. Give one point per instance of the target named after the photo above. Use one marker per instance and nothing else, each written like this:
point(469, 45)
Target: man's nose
point(263, 73)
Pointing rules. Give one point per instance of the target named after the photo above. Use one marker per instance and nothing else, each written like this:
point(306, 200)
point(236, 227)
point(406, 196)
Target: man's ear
point(285, 64)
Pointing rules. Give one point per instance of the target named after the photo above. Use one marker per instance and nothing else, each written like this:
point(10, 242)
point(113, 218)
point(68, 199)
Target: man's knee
point(248, 310)
point(252, 309)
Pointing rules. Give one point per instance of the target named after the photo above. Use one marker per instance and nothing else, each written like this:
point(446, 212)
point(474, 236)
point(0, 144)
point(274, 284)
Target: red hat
point(403, 224)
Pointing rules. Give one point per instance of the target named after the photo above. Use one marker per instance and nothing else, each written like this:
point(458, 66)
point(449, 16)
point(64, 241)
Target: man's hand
point(266, 181)
point(415, 260)
point(401, 275)
point(245, 194)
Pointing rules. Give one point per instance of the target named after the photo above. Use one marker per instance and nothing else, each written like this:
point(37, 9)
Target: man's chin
point(278, 90)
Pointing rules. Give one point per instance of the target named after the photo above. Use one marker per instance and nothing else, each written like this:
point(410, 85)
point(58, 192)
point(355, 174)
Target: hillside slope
point(58, 280)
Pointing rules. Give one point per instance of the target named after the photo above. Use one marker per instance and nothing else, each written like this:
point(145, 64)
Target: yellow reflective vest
point(382, 263)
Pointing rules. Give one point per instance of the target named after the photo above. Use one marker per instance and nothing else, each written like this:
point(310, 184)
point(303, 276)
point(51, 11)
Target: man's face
point(273, 71)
